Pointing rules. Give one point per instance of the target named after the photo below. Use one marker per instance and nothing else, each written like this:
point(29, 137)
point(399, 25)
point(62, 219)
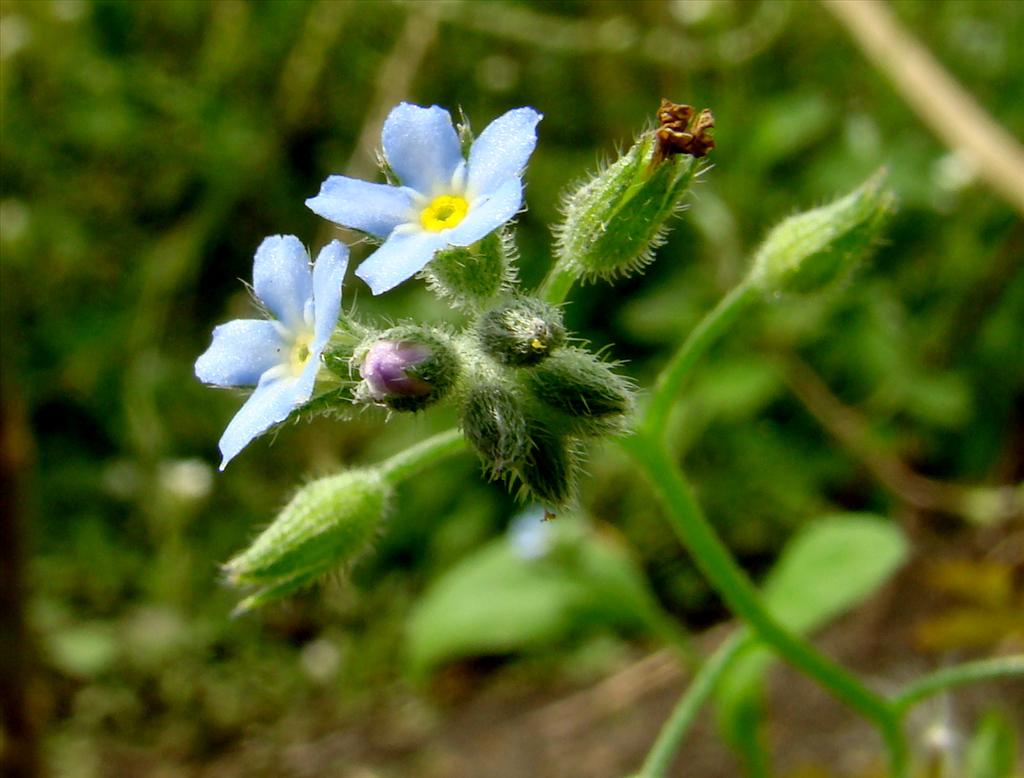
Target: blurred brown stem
point(19, 756)
point(977, 504)
point(946, 107)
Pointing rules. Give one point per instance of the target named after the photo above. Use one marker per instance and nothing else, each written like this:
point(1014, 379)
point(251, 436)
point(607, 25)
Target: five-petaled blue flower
point(443, 201)
point(281, 358)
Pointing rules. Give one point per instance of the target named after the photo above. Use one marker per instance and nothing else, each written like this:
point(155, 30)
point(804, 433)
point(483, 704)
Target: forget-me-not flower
point(444, 200)
point(279, 357)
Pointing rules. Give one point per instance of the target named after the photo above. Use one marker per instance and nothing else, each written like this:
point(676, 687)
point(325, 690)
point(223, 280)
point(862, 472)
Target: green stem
point(557, 284)
point(739, 593)
point(659, 759)
point(414, 459)
point(670, 381)
point(968, 672)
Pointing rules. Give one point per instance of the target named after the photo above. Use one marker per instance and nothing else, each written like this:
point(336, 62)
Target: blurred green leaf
point(992, 751)
point(85, 650)
point(828, 568)
point(513, 596)
point(831, 566)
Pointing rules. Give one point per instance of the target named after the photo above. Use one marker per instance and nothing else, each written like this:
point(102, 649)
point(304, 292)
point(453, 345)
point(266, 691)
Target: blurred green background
point(148, 148)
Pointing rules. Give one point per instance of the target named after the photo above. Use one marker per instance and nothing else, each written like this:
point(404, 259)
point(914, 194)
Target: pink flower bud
point(388, 370)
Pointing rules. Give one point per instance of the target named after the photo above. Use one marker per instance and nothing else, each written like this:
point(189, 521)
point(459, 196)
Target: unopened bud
point(549, 470)
point(580, 385)
point(407, 369)
point(470, 276)
point(328, 523)
point(614, 221)
point(523, 331)
point(808, 251)
point(494, 423)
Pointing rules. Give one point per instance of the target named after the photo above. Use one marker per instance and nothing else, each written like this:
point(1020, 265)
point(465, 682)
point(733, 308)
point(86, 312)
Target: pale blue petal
point(373, 208)
point(502, 150)
point(328, 274)
point(282, 279)
point(242, 351)
point(269, 404)
point(488, 216)
point(421, 146)
point(402, 256)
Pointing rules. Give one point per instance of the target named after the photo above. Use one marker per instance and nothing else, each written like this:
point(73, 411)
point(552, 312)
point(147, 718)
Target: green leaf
point(502, 600)
point(835, 563)
point(992, 752)
point(831, 566)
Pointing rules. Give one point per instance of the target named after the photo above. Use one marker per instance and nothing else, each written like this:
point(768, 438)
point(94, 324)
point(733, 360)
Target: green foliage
point(992, 750)
point(828, 568)
point(146, 155)
point(537, 592)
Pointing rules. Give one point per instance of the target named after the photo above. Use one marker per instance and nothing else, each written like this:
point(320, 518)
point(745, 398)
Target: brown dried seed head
point(679, 132)
point(672, 114)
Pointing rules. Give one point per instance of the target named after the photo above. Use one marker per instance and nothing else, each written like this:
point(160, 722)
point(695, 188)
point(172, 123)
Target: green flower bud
point(328, 523)
point(494, 424)
point(471, 276)
point(578, 384)
point(406, 368)
point(550, 468)
point(807, 252)
point(522, 331)
point(615, 221)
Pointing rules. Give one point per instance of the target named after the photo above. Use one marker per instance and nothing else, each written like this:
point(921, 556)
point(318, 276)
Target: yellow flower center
point(444, 212)
point(300, 353)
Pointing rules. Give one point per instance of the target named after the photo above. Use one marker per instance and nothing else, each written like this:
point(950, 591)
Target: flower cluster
point(439, 200)
point(529, 400)
point(529, 397)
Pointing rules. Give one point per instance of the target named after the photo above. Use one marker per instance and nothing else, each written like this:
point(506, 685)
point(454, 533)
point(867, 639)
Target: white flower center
point(300, 353)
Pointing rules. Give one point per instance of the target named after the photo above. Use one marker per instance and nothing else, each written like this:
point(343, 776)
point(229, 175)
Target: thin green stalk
point(670, 381)
point(957, 675)
point(739, 593)
point(412, 460)
point(557, 284)
point(659, 759)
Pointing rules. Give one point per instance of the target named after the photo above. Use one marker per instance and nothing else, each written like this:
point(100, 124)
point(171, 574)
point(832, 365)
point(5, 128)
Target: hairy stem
point(670, 381)
point(557, 284)
point(732, 584)
point(410, 462)
point(957, 675)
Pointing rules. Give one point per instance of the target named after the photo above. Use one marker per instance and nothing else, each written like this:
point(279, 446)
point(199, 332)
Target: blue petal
point(270, 403)
point(502, 150)
point(495, 211)
point(328, 274)
point(242, 351)
point(282, 279)
point(422, 147)
point(402, 256)
point(373, 208)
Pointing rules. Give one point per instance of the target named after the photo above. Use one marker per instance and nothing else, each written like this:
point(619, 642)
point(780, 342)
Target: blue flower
point(443, 201)
point(279, 357)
